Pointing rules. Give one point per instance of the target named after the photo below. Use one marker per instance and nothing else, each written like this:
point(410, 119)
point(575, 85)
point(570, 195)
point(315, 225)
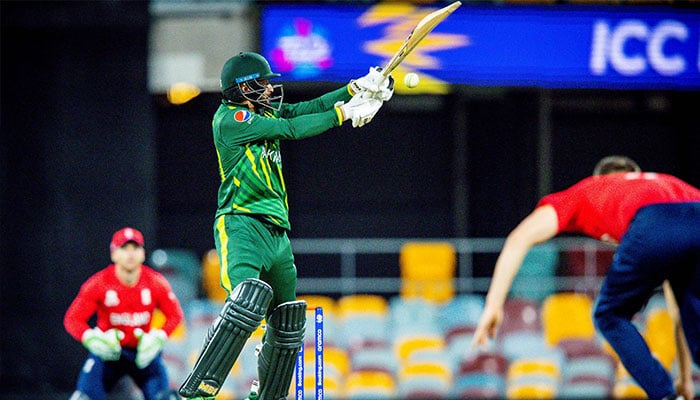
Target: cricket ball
point(411, 80)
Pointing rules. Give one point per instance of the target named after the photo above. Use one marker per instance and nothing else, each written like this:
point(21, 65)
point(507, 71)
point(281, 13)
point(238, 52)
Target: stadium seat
point(525, 344)
point(566, 316)
point(370, 385)
point(331, 324)
point(336, 362)
point(536, 278)
point(463, 310)
point(488, 363)
point(529, 367)
point(585, 390)
point(182, 268)
point(580, 263)
point(352, 304)
point(479, 385)
point(531, 391)
point(592, 368)
point(332, 387)
point(364, 320)
point(428, 270)
point(378, 357)
point(363, 330)
point(579, 347)
point(627, 388)
point(406, 345)
point(424, 380)
point(459, 341)
point(659, 336)
point(411, 317)
point(520, 315)
point(211, 277)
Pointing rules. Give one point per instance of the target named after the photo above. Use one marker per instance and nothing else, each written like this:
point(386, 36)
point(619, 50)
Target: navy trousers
point(662, 242)
point(97, 377)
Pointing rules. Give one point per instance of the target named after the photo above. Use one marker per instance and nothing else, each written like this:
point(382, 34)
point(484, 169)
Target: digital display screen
point(622, 47)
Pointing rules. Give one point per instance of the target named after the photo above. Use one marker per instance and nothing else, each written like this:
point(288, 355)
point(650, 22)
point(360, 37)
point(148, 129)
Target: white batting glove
point(375, 83)
point(103, 344)
point(150, 345)
point(360, 109)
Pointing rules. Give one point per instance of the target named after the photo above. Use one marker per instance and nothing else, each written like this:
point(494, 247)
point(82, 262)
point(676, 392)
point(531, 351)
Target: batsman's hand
point(375, 84)
point(150, 345)
point(103, 344)
point(360, 110)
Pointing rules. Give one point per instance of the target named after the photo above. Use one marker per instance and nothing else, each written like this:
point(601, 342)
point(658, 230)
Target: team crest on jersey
point(111, 298)
point(242, 115)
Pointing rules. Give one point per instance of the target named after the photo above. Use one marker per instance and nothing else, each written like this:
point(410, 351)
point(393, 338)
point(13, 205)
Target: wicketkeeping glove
point(150, 345)
point(360, 110)
point(103, 344)
point(375, 83)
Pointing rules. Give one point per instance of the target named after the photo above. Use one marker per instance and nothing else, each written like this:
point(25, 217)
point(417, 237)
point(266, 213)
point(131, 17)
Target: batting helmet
point(243, 67)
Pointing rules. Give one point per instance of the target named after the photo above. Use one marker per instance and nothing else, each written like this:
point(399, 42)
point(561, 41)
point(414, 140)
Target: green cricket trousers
point(251, 248)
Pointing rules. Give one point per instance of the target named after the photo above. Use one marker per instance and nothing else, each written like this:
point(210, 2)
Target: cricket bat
point(419, 32)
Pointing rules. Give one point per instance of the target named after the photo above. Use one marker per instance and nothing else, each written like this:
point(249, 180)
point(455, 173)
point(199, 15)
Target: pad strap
point(283, 338)
point(244, 309)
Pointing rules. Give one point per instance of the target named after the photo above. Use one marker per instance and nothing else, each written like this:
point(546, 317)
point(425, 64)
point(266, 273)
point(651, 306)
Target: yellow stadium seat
point(313, 301)
point(259, 331)
point(211, 277)
point(332, 387)
point(428, 270)
point(158, 320)
point(531, 391)
point(660, 337)
point(362, 304)
point(533, 366)
point(627, 388)
point(336, 361)
point(439, 370)
point(567, 316)
point(405, 346)
point(370, 382)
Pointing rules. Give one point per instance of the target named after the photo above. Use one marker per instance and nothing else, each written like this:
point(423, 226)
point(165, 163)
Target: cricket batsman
point(251, 223)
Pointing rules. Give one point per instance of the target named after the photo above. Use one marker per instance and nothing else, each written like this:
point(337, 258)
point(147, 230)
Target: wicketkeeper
point(252, 219)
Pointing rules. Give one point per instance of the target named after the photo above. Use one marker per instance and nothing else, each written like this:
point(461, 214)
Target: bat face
point(422, 29)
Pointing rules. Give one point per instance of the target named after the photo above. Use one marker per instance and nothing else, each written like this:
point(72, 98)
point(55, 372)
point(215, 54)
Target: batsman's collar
point(124, 236)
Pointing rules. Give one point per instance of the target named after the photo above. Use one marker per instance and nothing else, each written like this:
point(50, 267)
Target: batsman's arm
point(317, 105)
point(540, 226)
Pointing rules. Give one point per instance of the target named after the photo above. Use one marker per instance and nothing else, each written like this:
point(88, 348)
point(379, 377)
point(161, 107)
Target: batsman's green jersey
point(248, 150)
point(252, 185)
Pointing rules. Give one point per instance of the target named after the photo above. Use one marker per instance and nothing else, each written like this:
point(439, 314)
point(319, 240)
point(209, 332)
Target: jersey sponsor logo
point(111, 298)
point(242, 115)
point(272, 154)
point(146, 296)
point(130, 319)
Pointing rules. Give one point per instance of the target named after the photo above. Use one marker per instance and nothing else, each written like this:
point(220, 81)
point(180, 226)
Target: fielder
point(124, 296)
point(655, 218)
point(252, 219)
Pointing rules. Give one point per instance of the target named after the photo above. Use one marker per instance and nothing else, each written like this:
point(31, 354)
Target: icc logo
point(611, 47)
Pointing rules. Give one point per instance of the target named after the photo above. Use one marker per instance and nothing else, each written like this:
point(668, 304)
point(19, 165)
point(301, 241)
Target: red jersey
point(603, 206)
point(123, 307)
